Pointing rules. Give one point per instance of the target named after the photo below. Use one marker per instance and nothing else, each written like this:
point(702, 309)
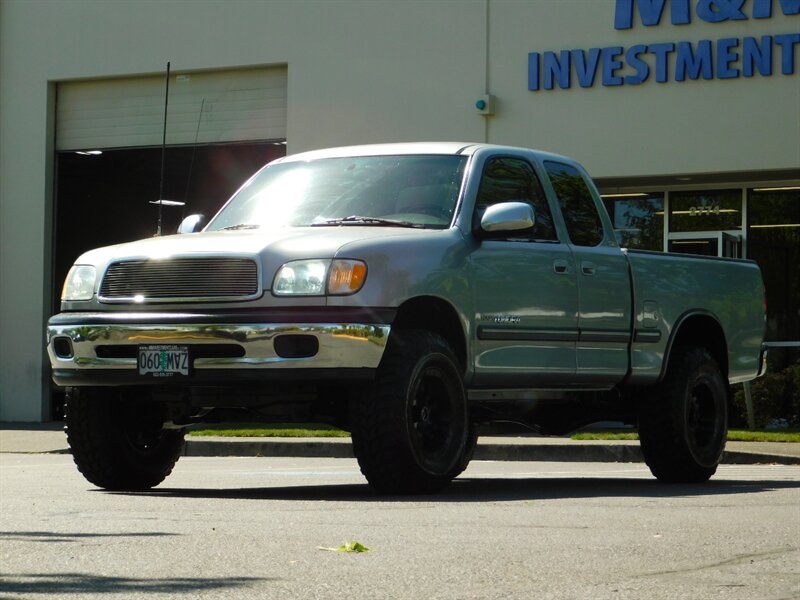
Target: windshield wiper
point(241, 226)
point(361, 220)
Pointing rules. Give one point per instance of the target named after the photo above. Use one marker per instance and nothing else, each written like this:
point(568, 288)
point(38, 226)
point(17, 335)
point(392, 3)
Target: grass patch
point(322, 431)
point(279, 430)
point(745, 435)
point(734, 435)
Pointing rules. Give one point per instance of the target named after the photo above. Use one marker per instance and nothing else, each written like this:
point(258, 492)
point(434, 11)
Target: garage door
point(206, 107)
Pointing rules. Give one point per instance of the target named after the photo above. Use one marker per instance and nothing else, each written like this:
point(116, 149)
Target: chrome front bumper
point(85, 347)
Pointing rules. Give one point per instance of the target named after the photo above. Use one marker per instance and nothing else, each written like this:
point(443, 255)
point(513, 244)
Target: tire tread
point(97, 441)
point(383, 454)
point(662, 440)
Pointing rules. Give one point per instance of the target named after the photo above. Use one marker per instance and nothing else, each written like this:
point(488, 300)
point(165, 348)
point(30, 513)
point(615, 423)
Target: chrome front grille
point(188, 279)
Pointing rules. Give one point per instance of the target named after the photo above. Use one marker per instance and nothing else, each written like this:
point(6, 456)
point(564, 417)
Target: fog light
point(296, 346)
point(62, 346)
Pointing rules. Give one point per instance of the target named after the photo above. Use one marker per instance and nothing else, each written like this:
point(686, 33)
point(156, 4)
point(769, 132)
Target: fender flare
point(680, 322)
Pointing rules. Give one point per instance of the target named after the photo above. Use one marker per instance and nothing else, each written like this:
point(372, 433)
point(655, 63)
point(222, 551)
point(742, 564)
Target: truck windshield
point(402, 191)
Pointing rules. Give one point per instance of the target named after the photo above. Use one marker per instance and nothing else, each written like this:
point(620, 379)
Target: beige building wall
point(364, 71)
point(719, 125)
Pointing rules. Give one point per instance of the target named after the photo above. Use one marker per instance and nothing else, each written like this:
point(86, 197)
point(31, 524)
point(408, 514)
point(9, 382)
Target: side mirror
point(507, 216)
point(191, 224)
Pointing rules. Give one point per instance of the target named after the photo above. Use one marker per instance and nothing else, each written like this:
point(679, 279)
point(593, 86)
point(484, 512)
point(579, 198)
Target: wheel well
point(704, 331)
point(436, 315)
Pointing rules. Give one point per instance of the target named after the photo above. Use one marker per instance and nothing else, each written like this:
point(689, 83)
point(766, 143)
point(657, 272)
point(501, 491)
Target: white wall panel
point(238, 105)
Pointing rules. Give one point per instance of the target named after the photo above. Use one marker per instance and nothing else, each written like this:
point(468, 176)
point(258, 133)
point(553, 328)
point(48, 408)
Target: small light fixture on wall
point(485, 105)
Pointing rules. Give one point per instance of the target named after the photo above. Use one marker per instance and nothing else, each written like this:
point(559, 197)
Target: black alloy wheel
point(683, 428)
point(410, 434)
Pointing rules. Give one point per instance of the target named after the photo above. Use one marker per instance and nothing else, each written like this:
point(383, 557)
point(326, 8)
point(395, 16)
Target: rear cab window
point(584, 226)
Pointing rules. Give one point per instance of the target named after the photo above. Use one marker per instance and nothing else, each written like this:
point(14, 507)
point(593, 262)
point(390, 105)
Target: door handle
point(588, 268)
point(560, 266)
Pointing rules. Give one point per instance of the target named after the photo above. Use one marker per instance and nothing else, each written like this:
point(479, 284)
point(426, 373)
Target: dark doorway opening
point(104, 199)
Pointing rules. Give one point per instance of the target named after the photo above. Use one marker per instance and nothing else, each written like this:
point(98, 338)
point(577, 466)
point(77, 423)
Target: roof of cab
point(383, 149)
point(410, 148)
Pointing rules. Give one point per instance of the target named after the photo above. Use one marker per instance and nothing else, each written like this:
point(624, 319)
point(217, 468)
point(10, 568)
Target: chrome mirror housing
point(508, 216)
point(191, 224)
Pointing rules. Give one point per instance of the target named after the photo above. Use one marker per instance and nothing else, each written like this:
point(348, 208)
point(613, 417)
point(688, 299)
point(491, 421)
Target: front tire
point(118, 442)
point(410, 434)
point(683, 429)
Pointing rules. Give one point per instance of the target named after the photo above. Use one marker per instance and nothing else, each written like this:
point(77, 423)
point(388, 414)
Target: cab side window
point(577, 205)
point(507, 179)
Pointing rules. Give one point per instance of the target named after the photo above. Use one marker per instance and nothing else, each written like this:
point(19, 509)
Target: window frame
point(524, 235)
point(603, 226)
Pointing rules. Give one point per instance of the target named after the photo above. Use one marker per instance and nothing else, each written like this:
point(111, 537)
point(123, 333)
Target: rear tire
point(468, 452)
point(683, 429)
point(118, 443)
point(410, 433)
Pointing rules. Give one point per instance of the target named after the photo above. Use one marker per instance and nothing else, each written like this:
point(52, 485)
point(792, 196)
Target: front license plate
point(163, 361)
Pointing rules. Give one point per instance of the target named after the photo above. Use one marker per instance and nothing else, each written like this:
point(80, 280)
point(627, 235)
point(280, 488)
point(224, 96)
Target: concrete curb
point(560, 452)
point(746, 458)
point(529, 451)
point(48, 438)
point(299, 447)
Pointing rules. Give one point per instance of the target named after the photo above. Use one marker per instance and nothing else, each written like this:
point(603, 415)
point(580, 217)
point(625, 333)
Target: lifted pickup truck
point(406, 293)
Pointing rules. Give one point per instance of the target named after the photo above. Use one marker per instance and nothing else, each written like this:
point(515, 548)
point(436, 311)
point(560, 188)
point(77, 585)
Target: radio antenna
point(191, 163)
point(163, 155)
point(161, 202)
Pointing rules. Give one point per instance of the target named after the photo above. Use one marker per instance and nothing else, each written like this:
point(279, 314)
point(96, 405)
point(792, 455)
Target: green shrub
point(775, 396)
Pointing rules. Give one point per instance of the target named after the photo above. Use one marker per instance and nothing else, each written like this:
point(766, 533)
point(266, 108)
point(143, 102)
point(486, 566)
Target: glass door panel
point(773, 241)
point(705, 211)
point(706, 243)
point(700, 246)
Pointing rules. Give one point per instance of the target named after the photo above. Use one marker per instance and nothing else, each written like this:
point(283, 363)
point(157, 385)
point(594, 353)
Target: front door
point(525, 293)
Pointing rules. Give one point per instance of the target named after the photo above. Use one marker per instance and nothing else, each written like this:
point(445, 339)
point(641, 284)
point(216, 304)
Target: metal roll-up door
point(239, 105)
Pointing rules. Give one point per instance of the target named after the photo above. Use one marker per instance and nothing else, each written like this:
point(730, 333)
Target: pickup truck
point(407, 293)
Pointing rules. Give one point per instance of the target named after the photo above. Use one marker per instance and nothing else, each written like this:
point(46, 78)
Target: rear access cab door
point(605, 296)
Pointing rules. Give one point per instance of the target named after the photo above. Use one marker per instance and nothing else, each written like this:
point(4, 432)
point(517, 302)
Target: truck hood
point(283, 244)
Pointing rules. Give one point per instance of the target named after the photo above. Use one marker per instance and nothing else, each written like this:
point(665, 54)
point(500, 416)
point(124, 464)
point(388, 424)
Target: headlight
point(79, 284)
point(318, 277)
point(301, 278)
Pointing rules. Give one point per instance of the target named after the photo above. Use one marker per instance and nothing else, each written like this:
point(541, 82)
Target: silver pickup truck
point(407, 293)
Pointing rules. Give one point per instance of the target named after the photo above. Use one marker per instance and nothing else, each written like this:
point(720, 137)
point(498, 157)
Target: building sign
point(723, 58)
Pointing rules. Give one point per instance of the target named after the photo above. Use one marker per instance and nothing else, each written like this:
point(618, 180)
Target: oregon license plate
point(163, 360)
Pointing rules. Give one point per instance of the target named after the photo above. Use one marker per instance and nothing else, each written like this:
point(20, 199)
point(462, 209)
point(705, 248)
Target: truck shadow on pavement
point(56, 537)
point(62, 585)
point(486, 490)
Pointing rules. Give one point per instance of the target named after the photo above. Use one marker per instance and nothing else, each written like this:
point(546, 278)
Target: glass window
point(705, 211)
point(509, 179)
point(577, 205)
point(417, 190)
point(773, 241)
point(638, 220)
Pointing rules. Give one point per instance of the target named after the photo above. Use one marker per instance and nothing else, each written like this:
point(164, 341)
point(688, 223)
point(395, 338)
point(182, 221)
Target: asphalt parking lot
point(242, 527)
